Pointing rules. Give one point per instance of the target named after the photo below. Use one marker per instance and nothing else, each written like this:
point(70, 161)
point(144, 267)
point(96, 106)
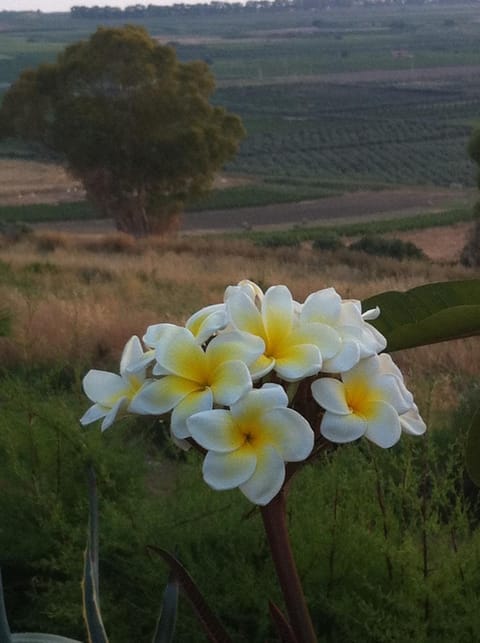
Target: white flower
point(369, 400)
point(358, 339)
point(249, 444)
point(292, 349)
point(113, 393)
point(194, 379)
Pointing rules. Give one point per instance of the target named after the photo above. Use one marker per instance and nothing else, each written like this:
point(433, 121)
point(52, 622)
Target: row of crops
point(396, 134)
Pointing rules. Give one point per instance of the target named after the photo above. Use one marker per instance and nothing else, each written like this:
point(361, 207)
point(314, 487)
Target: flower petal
point(344, 360)
point(322, 306)
point(234, 345)
point(207, 321)
point(228, 470)
point(330, 395)
point(383, 424)
point(179, 353)
point(412, 423)
point(342, 428)
point(256, 402)
point(93, 414)
point(193, 403)
point(132, 354)
point(244, 314)
point(103, 387)
point(268, 478)
point(215, 430)
point(229, 382)
point(162, 395)
point(120, 405)
point(298, 361)
point(326, 338)
point(157, 332)
point(277, 315)
point(291, 434)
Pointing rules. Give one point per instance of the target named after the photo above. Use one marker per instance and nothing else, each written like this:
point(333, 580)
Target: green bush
point(395, 248)
point(385, 541)
point(328, 241)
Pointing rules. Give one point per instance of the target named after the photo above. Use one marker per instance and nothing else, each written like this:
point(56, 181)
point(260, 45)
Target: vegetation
point(372, 520)
point(133, 124)
point(388, 248)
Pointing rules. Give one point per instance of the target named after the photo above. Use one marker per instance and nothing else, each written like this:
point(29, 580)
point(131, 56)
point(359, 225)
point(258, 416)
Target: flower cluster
point(258, 380)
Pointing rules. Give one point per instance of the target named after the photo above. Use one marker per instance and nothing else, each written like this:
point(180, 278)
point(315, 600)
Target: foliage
point(133, 123)
point(359, 540)
point(471, 251)
point(382, 247)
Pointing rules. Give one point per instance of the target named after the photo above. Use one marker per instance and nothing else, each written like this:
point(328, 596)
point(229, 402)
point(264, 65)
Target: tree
point(130, 121)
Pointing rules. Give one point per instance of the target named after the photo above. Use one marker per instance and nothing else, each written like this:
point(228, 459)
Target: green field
point(302, 124)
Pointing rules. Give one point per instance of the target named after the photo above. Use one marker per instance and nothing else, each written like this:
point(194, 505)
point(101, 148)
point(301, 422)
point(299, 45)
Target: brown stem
point(275, 523)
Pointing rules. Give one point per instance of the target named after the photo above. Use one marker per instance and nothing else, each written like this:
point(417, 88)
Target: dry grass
point(80, 298)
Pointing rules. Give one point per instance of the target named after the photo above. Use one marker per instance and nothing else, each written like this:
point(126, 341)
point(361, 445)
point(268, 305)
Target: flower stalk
point(275, 523)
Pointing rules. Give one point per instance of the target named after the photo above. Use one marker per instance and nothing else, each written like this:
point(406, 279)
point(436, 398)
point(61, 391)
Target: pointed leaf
point(472, 454)
point(165, 630)
point(428, 314)
point(282, 626)
point(90, 585)
point(32, 637)
point(210, 623)
point(5, 635)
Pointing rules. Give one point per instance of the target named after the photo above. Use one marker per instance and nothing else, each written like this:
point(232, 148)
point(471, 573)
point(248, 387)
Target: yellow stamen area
point(253, 437)
point(359, 396)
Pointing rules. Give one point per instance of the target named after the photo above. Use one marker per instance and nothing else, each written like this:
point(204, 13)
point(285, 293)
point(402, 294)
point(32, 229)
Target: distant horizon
point(63, 6)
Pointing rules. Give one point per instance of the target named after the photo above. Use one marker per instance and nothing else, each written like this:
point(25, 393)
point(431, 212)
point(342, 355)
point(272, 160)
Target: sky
point(64, 5)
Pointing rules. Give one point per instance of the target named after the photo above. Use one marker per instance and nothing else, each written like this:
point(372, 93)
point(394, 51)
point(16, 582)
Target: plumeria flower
point(207, 322)
point(358, 339)
point(369, 400)
point(194, 379)
point(112, 394)
point(250, 288)
point(294, 350)
point(249, 444)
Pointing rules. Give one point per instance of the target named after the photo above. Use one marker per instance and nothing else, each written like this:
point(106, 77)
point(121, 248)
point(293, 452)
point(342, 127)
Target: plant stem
point(275, 523)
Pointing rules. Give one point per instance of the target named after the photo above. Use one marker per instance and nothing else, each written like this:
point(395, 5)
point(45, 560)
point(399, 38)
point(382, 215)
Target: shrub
point(327, 241)
point(470, 256)
point(395, 248)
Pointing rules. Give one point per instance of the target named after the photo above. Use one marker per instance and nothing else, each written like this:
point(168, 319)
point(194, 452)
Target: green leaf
point(5, 635)
point(428, 314)
point(165, 630)
point(30, 637)
point(90, 585)
point(472, 451)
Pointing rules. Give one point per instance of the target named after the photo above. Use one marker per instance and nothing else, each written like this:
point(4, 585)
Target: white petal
point(93, 414)
point(268, 478)
point(181, 355)
point(228, 470)
point(109, 419)
point(132, 354)
point(372, 313)
point(244, 314)
point(412, 423)
point(383, 425)
point(156, 332)
point(277, 314)
point(162, 395)
point(102, 387)
point(229, 382)
point(365, 370)
point(145, 360)
point(234, 345)
point(193, 403)
point(322, 306)
point(391, 389)
point(215, 431)
point(298, 361)
point(344, 360)
point(342, 428)
point(330, 395)
point(258, 401)
point(207, 321)
point(292, 435)
point(326, 338)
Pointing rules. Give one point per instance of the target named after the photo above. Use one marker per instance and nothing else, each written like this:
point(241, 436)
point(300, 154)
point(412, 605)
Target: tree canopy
point(134, 124)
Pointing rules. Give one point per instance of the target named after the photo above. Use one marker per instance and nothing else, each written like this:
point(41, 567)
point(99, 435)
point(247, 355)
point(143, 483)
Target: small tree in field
point(133, 123)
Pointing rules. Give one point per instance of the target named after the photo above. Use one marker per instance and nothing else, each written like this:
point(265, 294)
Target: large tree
point(134, 124)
